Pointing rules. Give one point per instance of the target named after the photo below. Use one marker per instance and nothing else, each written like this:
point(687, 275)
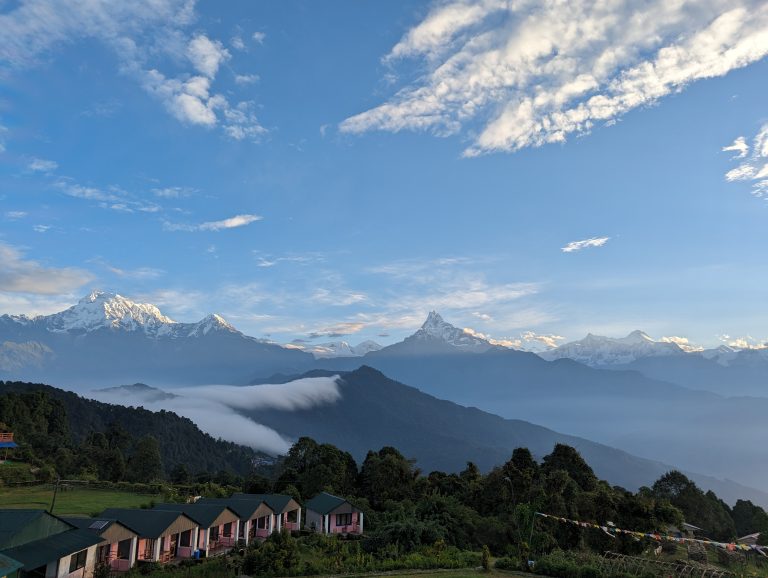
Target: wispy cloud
point(139, 273)
point(42, 165)
point(19, 275)
point(744, 342)
point(246, 78)
point(739, 146)
point(230, 223)
point(574, 246)
point(259, 37)
point(112, 197)
point(754, 169)
point(532, 73)
point(15, 215)
point(174, 192)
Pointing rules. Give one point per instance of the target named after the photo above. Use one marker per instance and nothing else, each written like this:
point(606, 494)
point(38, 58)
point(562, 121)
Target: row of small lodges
point(37, 543)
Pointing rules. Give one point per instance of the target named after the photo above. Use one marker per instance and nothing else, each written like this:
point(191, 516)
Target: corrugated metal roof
point(245, 508)
point(41, 552)
point(323, 503)
point(202, 513)
point(21, 525)
point(146, 523)
point(96, 525)
point(277, 502)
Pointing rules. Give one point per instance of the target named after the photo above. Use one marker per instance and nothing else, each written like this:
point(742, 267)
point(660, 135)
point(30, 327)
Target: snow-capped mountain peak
point(597, 350)
point(343, 349)
point(101, 310)
point(212, 322)
point(436, 328)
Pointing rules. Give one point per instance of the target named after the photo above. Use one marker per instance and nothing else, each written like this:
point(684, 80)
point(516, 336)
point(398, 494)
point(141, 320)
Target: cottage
point(287, 511)
point(255, 517)
point(40, 544)
point(70, 554)
point(118, 546)
point(219, 525)
point(7, 444)
point(329, 514)
point(163, 536)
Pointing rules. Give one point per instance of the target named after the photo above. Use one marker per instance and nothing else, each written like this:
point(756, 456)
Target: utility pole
point(55, 491)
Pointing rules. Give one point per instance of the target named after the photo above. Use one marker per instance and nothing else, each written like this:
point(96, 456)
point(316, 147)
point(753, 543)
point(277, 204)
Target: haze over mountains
point(646, 397)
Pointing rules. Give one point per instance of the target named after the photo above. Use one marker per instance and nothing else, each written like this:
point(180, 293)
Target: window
point(77, 561)
point(344, 519)
point(228, 530)
point(186, 539)
point(261, 523)
point(215, 533)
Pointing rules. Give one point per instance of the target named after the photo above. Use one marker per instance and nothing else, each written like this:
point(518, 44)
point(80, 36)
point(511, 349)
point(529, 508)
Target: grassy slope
point(77, 502)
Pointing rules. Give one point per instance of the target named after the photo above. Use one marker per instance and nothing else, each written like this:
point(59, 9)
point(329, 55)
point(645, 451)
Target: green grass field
point(71, 502)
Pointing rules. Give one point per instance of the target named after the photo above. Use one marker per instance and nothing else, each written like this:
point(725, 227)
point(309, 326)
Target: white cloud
point(682, 342)
point(237, 43)
point(206, 55)
point(745, 342)
point(550, 341)
point(42, 166)
point(41, 228)
point(755, 166)
point(18, 275)
point(246, 78)
point(138, 32)
point(113, 197)
point(583, 244)
point(173, 192)
point(739, 146)
point(13, 215)
point(534, 72)
point(230, 223)
point(140, 273)
point(216, 409)
point(259, 37)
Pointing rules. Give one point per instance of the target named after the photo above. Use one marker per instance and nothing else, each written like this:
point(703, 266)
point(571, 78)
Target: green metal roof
point(203, 514)
point(8, 565)
point(146, 523)
point(41, 552)
point(245, 508)
point(95, 525)
point(277, 502)
point(19, 526)
point(324, 503)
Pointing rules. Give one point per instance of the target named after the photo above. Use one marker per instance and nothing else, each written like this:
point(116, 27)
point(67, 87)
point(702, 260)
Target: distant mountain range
point(725, 369)
point(106, 339)
point(651, 398)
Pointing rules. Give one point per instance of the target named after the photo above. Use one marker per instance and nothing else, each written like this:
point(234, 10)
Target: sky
point(315, 171)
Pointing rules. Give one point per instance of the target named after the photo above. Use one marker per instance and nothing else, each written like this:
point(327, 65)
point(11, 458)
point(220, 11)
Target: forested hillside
point(78, 436)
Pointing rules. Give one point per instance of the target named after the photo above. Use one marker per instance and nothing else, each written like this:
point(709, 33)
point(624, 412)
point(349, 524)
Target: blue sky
point(318, 171)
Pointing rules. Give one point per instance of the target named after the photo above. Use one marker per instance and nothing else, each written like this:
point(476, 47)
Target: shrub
point(506, 563)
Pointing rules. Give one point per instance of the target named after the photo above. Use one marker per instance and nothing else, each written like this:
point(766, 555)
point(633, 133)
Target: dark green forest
point(71, 436)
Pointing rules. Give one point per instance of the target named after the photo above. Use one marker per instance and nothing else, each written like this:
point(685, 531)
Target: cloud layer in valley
point(218, 409)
